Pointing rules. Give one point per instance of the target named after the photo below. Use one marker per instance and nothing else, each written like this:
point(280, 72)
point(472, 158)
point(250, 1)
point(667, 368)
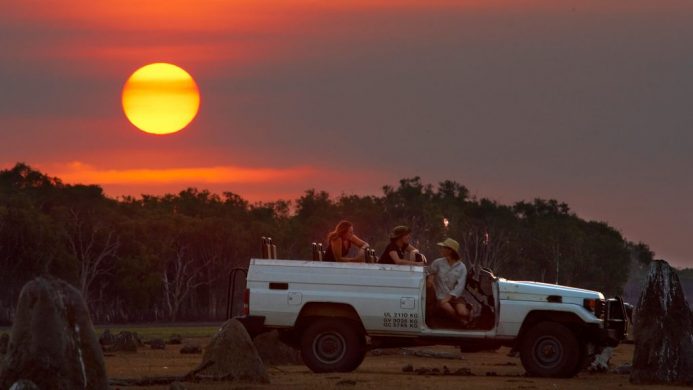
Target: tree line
point(167, 257)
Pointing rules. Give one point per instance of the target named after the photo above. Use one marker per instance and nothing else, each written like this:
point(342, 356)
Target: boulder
point(663, 331)
point(157, 344)
point(177, 386)
point(464, 371)
point(24, 384)
point(175, 339)
point(274, 352)
point(53, 344)
point(190, 349)
point(4, 343)
point(125, 342)
point(107, 338)
point(138, 339)
point(623, 369)
point(231, 354)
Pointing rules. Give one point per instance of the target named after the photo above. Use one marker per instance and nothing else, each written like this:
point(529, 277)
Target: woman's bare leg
point(448, 309)
point(462, 311)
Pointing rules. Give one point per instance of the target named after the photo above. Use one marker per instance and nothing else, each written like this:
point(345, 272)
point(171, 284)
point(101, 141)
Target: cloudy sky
point(590, 102)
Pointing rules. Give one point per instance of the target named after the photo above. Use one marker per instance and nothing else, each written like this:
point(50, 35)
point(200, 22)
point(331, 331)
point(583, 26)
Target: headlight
point(591, 305)
point(596, 306)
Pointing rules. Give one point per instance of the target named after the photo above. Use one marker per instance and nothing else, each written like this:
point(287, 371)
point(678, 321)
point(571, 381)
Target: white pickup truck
point(335, 312)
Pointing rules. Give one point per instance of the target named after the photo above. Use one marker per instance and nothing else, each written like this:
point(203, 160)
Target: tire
point(550, 349)
point(583, 359)
point(333, 345)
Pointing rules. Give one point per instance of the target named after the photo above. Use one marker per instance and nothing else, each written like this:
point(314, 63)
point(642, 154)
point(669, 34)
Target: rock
point(624, 369)
point(408, 368)
point(386, 352)
point(107, 338)
point(24, 384)
point(431, 354)
point(53, 343)
point(600, 362)
point(446, 370)
point(274, 352)
point(4, 343)
point(157, 344)
point(177, 386)
point(233, 355)
point(175, 339)
point(435, 371)
point(491, 373)
point(663, 331)
point(125, 342)
point(422, 371)
point(190, 349)
point(138, 339)
point(464, 371)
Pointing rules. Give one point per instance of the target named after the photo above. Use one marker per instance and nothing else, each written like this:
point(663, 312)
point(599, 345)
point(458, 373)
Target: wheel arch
point(569, 319)
point(314, 310)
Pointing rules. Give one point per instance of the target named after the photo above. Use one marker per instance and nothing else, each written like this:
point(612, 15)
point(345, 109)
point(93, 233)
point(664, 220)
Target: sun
point(160, 98)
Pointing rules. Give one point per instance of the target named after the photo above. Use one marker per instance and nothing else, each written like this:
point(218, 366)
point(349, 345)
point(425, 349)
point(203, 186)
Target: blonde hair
point(342, 227)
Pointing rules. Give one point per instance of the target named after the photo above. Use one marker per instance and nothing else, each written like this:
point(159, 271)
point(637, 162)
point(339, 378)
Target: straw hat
point(452, 244)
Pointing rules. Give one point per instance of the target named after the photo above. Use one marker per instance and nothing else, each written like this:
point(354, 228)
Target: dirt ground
point(492, 370)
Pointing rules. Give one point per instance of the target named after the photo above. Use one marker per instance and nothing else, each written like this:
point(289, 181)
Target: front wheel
point(550, 349)
point(333, 345)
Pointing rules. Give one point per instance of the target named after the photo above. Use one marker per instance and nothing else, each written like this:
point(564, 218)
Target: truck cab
point(335, 312)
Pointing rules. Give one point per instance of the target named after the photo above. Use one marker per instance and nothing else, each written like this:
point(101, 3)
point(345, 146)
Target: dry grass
point(149, 331)
point(377, 372)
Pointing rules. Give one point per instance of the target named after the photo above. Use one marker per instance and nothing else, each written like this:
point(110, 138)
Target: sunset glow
point(77, 172)
point(160, 98)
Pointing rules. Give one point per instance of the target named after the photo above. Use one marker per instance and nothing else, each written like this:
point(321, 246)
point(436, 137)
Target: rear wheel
point(331, 344)
point(550, 349)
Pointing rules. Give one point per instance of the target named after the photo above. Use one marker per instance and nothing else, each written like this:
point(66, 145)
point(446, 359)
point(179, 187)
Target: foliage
point(167, 257)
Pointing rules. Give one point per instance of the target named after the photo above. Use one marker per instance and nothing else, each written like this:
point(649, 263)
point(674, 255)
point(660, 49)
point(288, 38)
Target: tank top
point(385, 257)
point(329, 254)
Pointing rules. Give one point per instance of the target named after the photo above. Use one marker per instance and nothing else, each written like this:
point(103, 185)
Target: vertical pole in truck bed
point(231, 291)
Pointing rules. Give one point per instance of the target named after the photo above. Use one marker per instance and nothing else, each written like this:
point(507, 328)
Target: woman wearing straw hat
point(400, 251)
point(448, 275)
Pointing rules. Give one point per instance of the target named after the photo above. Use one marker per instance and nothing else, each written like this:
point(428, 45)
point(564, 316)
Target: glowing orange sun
point(160, 98)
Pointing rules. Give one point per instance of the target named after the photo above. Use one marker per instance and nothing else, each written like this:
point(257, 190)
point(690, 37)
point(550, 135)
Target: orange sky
point(586, 101)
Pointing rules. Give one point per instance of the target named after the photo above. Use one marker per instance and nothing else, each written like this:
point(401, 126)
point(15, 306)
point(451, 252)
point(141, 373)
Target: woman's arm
point(397, 260)
point(461, 283)
point(336, 245)
point(410, 248)
point(357, 241)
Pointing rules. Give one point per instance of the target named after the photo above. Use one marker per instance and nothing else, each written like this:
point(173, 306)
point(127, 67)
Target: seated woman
point(339, 242)
point(448, 275)
point(400, 251)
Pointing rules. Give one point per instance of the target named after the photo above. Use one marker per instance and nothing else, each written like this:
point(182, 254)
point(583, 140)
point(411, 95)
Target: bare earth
point(376, 372)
